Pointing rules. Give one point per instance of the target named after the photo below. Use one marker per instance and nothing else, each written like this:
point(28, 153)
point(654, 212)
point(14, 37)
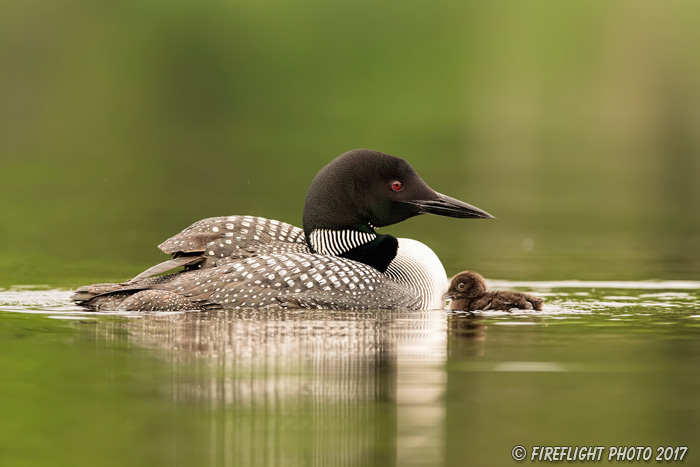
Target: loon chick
point(338, 261)
point(468, 293)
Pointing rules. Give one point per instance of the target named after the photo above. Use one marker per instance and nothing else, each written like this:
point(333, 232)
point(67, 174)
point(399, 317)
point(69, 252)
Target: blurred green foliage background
point(575, 123)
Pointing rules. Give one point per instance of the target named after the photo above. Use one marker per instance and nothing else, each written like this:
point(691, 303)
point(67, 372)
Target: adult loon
point(338, 261)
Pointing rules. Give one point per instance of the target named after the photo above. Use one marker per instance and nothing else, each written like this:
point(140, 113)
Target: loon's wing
point(295, 281)
point(235, 236)
point(216, 241)
point(167, 266)
point(271, 281)
point(109, 296)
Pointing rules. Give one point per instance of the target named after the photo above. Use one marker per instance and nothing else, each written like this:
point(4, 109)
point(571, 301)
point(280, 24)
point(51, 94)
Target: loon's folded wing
point(167, 266)
point(293, 281)
point(109, 296)
point(235, 236)
point(216, 241)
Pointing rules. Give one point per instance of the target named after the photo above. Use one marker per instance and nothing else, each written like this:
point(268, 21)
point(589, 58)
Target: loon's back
point(216, 241)
point(228, 238)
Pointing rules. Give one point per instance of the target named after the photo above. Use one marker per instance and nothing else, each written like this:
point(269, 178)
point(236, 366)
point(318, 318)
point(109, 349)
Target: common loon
point(338, 261)
point(468, 293)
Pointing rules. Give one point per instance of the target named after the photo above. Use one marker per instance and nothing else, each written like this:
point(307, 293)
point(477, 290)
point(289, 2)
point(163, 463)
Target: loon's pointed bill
point(446, 206)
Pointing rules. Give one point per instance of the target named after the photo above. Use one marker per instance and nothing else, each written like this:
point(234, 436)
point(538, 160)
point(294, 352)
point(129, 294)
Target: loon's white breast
point(418, 268)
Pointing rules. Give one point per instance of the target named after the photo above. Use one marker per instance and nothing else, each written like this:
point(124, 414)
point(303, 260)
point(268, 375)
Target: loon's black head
point(362, 189)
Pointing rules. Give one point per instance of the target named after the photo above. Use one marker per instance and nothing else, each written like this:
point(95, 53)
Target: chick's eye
point(396, 185)
point(460, 286)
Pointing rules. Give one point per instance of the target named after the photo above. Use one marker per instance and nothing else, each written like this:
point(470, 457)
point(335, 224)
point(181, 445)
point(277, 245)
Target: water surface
point(605, 363)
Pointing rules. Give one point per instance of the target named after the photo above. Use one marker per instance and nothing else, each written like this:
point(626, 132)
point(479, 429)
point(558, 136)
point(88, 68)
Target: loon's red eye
point(396, 185)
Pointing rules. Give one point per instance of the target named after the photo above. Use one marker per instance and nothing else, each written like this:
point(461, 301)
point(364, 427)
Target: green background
point(575, 123)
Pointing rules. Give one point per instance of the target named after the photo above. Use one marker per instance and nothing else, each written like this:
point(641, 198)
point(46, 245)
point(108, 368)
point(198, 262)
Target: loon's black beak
point(450, 207)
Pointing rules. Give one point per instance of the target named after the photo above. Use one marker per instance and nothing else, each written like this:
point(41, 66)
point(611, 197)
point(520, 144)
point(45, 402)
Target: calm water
point(604, 364)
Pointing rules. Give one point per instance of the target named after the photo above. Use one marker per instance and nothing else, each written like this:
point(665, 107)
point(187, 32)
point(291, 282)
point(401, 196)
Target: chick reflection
point(466, 335)
point(312, 387)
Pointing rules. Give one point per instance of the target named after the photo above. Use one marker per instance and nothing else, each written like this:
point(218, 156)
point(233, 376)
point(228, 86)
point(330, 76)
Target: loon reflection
point(348, 383)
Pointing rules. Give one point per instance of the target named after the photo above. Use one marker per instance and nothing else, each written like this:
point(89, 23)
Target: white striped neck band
point(337, 242)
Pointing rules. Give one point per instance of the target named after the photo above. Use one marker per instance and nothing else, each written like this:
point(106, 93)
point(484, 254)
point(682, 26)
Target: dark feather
point(167, 266)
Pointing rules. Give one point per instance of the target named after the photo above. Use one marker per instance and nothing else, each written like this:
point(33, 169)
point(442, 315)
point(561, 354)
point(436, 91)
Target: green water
point(600, 366)
point(575, 123)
